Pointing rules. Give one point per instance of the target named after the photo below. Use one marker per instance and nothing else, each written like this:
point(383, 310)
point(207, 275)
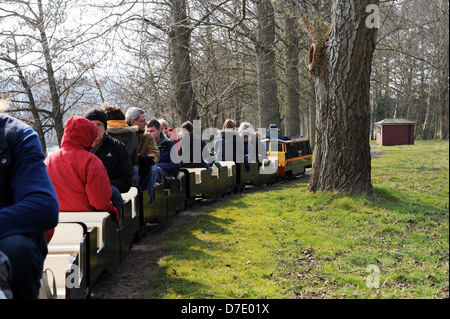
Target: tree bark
point(267, 86)
point(340, 63)
point(312, 120)
point(292, 117)
point(180, 35)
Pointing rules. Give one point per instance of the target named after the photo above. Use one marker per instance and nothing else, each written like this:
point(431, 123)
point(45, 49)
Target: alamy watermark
point(373, 280)
point(73, 280)
point(373, 19)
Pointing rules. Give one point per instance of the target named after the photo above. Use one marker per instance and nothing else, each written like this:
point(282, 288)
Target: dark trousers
point(26, 256)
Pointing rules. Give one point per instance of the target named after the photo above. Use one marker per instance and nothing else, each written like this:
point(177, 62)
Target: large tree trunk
point(267, 86)
point(427, 129)
point(180, 34)
point(292, 117)
point(312, 120)
point(341, 64)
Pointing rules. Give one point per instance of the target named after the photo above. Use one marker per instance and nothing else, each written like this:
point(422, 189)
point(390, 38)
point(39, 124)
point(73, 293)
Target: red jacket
point(78, 176)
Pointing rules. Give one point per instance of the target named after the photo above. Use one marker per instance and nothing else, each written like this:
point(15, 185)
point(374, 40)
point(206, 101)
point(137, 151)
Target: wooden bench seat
point(67, 238)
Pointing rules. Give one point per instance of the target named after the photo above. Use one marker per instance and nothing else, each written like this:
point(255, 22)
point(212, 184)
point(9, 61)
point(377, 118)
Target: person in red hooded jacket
point(78, 176)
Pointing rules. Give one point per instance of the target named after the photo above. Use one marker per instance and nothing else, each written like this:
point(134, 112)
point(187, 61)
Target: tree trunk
point(180, 35)
point(427, 130)
point(292, 117)
point(312, 113)
point(341, 65)
point(267, 86)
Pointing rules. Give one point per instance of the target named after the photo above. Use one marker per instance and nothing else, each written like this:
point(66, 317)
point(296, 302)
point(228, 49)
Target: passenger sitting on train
point(79, 177)
point(247, 132)
point(28, 208)
point(165, 168)
point(119, 129)
point(193, 150)
point(170, 132)
point(148, 151)
point(229, 146)
point(255, 141)
point(249, 150)
point(114, 156)
point(260, 148)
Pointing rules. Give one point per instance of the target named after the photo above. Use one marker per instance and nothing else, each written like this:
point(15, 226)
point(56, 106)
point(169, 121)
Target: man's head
point(154, 128)
point(99, 119)
point(136, 116)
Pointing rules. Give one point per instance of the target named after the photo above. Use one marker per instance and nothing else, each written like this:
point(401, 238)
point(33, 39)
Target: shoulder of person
point(115, 143)
point(122, 130)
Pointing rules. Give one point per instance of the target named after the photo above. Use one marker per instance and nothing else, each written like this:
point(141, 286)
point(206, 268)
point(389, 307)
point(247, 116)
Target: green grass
point(285, 242)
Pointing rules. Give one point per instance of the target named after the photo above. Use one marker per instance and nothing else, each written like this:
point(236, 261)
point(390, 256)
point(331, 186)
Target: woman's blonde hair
point(246, 126)
point(164, 123)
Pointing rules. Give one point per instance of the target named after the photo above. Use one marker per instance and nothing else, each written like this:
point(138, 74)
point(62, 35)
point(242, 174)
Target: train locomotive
point(85, 245)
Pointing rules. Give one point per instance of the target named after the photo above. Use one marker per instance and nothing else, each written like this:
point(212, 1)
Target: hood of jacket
point(121, 130)
point(79, 132)
point(163, 139)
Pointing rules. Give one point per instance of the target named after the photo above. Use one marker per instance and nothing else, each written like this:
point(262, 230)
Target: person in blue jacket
point(168, 165)
point(28, 206)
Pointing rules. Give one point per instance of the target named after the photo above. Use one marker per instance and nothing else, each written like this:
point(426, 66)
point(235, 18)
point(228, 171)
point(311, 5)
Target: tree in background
point(43, 75)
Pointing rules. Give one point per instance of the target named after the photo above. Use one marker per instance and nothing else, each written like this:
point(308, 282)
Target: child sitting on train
point(165, 169)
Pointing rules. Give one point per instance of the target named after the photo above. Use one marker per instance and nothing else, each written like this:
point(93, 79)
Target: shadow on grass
point(387, 199)
point(170, 284)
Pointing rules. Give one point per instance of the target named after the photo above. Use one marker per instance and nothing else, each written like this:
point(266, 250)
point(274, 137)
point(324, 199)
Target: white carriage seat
point(90, 219)
point(131, 195)
point(198, 174)
point(229, 165)
point(67, 238)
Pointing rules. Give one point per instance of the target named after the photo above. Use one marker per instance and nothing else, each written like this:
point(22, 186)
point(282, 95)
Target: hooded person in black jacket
point(114, 156)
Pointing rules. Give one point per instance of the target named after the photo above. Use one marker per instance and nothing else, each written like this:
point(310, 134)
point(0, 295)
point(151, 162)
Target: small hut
point(395, 132)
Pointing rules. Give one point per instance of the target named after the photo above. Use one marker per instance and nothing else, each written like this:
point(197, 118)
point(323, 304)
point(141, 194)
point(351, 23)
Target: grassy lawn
point(284, 242)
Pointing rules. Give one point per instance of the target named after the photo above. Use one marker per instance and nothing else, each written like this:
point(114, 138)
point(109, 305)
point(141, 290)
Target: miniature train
point(87, 244)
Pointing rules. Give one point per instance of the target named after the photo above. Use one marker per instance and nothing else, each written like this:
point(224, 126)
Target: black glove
point(145, 164)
